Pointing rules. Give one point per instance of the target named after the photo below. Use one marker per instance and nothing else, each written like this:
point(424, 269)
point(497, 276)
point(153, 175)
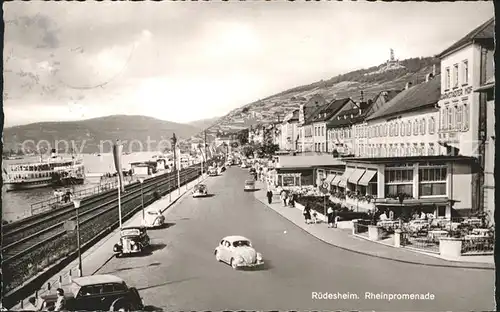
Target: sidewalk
point(98, 255)
point(343, 238)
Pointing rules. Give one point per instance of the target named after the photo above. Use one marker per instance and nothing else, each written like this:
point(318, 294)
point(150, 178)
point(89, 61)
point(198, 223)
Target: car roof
point(233, 238)
point(97, 279)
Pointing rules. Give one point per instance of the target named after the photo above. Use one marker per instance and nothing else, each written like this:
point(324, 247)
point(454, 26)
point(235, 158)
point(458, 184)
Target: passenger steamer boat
point(55, 171)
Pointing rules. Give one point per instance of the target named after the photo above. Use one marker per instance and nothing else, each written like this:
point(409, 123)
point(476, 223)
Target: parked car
point(133, 240)
point(243, 165)
point(238, 252)
point(212, 172)
point(200, 190)
point(93, 293)
point(153, 218)
point(249, 185)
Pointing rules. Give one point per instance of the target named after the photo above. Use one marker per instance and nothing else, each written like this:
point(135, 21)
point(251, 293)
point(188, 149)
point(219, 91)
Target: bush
point(352, 215)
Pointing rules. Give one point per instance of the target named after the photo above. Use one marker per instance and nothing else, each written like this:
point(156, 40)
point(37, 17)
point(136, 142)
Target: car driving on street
point(153, 218)
point(133, 240)
point(249, 185)
point(103, 292)
point(237, 251)
point(200, 190)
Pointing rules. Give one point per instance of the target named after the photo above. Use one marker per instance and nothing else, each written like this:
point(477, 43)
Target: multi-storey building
point(321, 117)
point(289, 131)
point(306, 111)
point(465, 66)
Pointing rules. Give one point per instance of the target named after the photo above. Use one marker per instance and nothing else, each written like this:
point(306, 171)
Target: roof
point(344, 117)
point(327, 111)
point(233, 238)
point(414, 98)
point(307, 161)
point(484, 31)
point(97, 279)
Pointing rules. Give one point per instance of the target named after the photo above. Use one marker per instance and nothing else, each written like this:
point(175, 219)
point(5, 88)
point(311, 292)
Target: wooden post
point(60, 281)
point(48, 287)
point(70, 276)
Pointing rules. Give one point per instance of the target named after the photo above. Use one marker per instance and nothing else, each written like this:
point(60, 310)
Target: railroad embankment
point(33, 249)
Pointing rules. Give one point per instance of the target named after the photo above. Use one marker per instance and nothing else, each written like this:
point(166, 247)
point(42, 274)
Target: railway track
point(26, 227)
point(30, 236)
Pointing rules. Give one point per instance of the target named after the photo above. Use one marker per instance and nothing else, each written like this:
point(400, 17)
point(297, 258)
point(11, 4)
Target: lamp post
point(76, 202)
point(174, 143)
point(141, 180)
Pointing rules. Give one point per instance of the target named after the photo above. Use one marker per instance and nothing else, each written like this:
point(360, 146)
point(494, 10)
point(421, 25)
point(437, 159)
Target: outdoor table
point(480, 232)
point(437, 233)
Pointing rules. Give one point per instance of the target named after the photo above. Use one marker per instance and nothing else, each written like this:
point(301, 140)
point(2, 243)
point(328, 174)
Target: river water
point(16, 205)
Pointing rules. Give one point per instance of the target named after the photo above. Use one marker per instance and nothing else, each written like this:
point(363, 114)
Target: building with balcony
point(400, 165)
point(463, 114)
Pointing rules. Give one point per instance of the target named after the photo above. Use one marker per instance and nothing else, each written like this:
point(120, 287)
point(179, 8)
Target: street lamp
point(77, 202)
point(141, 180)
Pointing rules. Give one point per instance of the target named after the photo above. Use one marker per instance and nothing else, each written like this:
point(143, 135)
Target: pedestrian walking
point(269, 196)
point(291, 202)
point(283, 197)
point(329, 214)
point(307, 214)
point(60, 304)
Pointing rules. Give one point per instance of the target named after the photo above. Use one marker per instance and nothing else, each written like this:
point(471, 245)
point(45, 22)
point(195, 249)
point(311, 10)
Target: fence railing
point(58, 201)
point(420, 241)
point(478, 245)
point(360, 229)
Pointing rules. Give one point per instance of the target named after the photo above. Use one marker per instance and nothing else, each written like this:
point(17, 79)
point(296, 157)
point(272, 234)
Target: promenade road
point(182, 273)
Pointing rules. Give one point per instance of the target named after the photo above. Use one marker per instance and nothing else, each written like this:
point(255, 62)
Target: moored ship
point(55, 171)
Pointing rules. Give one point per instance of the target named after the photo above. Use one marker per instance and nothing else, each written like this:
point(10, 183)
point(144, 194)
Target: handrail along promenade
point(22, 244)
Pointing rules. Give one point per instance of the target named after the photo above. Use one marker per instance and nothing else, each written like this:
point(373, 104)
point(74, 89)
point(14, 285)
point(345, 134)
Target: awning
point(342, 183)
point(329, 179)
point(337, 179)
point(347, 173)
point(356, 175)
point(367, 177)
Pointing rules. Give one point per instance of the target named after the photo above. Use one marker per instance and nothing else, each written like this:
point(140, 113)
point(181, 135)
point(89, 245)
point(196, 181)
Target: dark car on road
point(133, 240)
point(93, 293)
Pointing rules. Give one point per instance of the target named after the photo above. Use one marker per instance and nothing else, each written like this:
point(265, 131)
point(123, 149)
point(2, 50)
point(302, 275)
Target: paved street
point(182, 273)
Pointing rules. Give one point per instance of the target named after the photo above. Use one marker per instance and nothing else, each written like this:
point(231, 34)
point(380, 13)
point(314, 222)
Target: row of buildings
point(431, 144)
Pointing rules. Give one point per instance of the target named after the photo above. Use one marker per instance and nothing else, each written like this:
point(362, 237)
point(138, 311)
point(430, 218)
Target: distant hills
point(88, 135)
point(371, 81)
point(204, 123)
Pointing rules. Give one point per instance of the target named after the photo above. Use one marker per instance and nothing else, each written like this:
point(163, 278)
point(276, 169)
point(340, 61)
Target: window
point(432, 125)
point(449, 119)
point(415, 127)
point(322, 147)
point(385, 129)
point(398, 181)
point(455, 76)
point(422, 149)
point(396, 129)
point(432, 181)
point(447, 79)
point(458, 117)
point(430, 151)
point(465, 121)
point(465, 72)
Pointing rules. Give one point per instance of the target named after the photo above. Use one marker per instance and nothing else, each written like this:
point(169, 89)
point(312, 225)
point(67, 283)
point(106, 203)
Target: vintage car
point(92, 293)
point(213, 172)
point(229, 163)
point(200, 190)
point(238, 252)
point(244, 165)
point(249, 185)
point(153, 218)
point(133, 240)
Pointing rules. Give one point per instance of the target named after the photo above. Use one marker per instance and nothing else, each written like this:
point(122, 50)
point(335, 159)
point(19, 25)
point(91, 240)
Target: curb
point(375, 255)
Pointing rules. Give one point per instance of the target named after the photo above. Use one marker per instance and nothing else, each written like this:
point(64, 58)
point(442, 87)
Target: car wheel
point(120, 304)
point(233, 264)
point(217, 256)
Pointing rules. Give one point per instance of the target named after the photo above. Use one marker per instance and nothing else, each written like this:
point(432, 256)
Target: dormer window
point(352, 116)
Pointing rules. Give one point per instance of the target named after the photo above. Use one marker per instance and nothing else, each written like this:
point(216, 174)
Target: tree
point(242, 136)
point(234, 145)
point(248, 150)
point(268, 149)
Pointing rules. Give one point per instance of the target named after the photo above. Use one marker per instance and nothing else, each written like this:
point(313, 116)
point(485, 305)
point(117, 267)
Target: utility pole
point(206, 146)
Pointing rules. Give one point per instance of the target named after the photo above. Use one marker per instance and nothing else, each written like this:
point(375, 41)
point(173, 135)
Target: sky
point(185, 61)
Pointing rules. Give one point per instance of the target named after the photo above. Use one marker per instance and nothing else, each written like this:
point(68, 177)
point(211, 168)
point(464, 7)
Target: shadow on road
point(251, 191)
point(155, 247)
point(208, 195)
point(152, 308)
point(166, 283)
point(136, 268)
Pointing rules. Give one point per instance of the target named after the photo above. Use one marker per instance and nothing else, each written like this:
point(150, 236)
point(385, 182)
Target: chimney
point(408, 85)
point(434, 70)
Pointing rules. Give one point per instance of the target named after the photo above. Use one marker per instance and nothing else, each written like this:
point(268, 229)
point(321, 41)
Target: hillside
point(371, 81)
point(87, 134)
point(203, 123)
